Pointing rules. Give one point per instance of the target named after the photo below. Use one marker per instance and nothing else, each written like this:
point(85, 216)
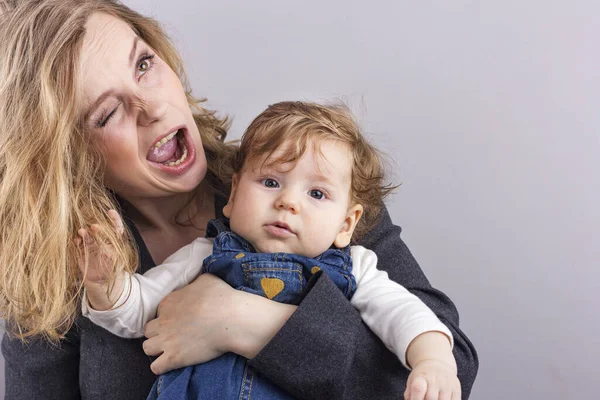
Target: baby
point(306, 183)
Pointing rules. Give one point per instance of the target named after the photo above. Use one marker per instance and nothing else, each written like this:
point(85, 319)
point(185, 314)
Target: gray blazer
point(324, 351)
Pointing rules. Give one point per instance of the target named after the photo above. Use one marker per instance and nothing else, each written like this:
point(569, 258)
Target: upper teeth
point(166, 139)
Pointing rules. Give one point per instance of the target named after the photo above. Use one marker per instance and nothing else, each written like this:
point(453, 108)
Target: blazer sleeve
point(39, 369)
point(326, 351)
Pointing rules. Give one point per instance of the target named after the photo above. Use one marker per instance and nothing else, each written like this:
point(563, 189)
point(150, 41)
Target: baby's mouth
point(282, 225)
point(280, 229)
point(169, 151)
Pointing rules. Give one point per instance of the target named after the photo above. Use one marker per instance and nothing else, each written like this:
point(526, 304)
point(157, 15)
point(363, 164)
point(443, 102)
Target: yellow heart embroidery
point(271, 286)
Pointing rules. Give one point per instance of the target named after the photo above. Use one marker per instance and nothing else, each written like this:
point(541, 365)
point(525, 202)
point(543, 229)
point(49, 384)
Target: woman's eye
point(316, 194)
point(145, 64)
point(270, 183)
point(103, 120)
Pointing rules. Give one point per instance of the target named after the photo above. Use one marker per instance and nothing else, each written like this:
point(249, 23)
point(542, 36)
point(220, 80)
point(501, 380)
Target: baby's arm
point(135, 298)
point(407, 327)
point(99, 264)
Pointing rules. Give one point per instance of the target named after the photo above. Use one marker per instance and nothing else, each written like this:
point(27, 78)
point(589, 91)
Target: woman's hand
point(208, 318)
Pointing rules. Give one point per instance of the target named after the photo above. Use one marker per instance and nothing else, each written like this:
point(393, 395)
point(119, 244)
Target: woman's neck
point(171, 212)
point(169, 223)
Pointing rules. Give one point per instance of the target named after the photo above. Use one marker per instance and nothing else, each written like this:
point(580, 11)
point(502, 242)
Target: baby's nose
point(287, 202)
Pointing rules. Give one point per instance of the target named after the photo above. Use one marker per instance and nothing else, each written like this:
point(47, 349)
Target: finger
point(457, 393)
point(417, 389)
point(432, 394)
point(82, 233)
point(95, 233)
point(151, 328)
point(445, 395)
point(86, 235)
point(157, 366)
point(164, 364)
point(117, 221)
point(153, 346)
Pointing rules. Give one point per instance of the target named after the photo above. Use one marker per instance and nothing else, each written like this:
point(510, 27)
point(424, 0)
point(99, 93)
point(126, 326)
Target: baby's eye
point(316, 194)
point(270, 183)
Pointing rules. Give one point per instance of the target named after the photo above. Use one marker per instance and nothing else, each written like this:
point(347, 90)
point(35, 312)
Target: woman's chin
point(190, 180)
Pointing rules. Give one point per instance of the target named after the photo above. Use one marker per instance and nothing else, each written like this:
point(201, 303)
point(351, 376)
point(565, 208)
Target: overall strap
point(216, 226)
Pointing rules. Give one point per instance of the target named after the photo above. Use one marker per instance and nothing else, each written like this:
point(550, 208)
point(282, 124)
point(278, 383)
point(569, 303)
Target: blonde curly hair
point(51, 179)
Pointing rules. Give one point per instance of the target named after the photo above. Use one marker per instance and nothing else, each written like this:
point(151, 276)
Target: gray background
point(489, 114)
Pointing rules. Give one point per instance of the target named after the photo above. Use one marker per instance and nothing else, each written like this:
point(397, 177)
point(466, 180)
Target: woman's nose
point(152, 110)
point(287, 201)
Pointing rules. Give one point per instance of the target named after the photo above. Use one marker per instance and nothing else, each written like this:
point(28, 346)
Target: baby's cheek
point(315, 245)
point(236, 226)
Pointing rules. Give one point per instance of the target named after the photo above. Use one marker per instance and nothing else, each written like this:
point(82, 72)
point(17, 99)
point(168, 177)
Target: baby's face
point(303, 210)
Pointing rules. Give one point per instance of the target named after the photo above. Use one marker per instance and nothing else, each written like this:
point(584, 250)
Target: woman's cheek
point(150, 80)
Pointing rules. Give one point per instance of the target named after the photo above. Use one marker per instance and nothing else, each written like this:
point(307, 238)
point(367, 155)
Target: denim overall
point(280, 277)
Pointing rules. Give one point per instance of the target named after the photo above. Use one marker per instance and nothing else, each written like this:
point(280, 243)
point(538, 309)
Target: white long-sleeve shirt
point(394, 314)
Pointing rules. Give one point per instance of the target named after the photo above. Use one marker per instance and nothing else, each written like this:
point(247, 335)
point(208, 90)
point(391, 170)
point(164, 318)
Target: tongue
point(164, 152)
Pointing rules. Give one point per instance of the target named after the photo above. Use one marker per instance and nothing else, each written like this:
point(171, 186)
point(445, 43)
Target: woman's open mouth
point(172, 153)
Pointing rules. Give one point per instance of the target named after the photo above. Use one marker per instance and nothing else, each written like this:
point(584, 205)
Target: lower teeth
point(182, 159)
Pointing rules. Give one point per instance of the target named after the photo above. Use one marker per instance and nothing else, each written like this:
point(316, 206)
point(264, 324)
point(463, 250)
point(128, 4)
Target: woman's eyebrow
point(96, 103)
point(133, 50)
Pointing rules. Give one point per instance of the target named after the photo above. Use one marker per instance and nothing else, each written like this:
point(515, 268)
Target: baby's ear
point(345, 235)
point(229, 205)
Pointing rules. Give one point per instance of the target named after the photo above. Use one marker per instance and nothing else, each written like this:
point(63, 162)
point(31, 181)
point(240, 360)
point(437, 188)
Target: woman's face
point(137, 114)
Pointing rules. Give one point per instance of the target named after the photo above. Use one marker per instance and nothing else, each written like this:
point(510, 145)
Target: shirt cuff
point(416, 328)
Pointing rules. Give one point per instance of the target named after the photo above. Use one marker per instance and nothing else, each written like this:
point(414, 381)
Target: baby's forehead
point(291, 151)
point(329, 158)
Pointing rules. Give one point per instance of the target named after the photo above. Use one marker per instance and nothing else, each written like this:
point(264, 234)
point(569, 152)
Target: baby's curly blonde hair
point(302, 123)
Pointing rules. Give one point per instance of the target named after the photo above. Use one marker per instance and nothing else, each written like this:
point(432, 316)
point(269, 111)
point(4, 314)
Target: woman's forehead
point(104, 32)
point(108, 47)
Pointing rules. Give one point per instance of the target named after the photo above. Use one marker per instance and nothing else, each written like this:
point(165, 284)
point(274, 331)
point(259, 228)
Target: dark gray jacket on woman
point(346, 360)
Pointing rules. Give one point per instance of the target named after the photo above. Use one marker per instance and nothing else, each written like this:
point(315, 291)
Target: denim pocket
point(279, 281)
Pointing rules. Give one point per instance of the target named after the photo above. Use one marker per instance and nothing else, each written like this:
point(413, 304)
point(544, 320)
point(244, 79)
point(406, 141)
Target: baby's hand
point(433, 380)
point(99, 255)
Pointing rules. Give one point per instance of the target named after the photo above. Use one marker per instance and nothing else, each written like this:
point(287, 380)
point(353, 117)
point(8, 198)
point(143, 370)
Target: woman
point(95, 114)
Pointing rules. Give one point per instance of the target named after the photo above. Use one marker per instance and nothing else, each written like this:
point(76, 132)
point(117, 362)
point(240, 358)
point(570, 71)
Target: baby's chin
point(279, 247)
